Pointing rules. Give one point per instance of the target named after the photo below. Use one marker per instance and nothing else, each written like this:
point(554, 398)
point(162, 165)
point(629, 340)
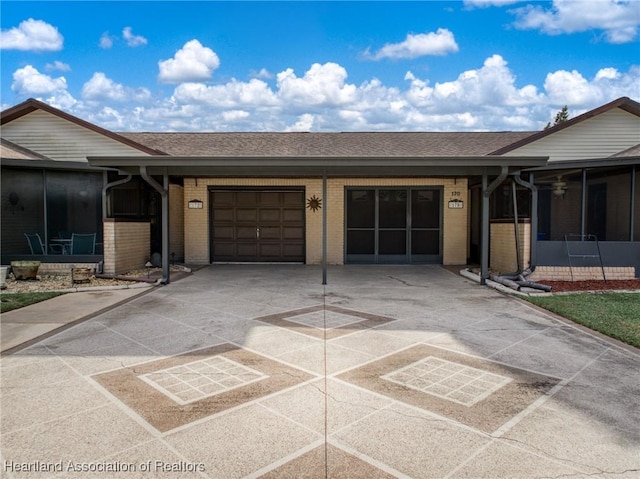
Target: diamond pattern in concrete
point(448, 380)
point(200, 379)
point(339, 321)
point(187, 403)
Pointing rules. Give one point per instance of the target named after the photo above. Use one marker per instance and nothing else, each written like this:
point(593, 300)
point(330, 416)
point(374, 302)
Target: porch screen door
point(395, 226)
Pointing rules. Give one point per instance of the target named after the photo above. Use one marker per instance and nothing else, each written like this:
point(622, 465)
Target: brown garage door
point(257, 225)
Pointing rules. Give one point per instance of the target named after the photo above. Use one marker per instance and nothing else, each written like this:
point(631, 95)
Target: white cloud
point(235, 115)
point(254, 93)
point(33, 35)
point(569, 87)
point(304, 123)
point(57, 65)
point(99, 87)
point(62, 100)
point(106, 41)
point(492, 85)
point(607, 74)
point(28, 81)
point(192, 63)
point(131, 39)
point(572, 88)
point(619, 19)
point(320, 85)
point(441, 42)
point(488, 97)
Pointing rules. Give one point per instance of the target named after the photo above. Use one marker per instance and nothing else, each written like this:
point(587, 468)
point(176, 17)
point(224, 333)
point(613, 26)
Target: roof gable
point(32, 105)
point(624, 104)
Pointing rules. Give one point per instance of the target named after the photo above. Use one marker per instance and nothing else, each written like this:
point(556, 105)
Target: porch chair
point(83, 243)
point(37, 246)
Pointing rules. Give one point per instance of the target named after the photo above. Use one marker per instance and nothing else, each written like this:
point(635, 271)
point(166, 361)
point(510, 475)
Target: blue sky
point(470, 65)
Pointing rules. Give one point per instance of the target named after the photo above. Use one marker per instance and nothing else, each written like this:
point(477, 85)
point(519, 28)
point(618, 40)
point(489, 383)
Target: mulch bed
point(563, 286)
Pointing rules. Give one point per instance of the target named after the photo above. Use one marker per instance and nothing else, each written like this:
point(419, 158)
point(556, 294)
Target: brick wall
point(503, 246)
point(126, 245)
point(582, 273)
point(196, 221)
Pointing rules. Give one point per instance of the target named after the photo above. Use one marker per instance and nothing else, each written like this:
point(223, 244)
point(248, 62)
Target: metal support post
point(324, 229)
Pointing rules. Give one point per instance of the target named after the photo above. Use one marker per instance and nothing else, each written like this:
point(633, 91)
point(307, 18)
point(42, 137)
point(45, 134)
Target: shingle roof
point(340, 145)
point(9, 150)
point(634, 151)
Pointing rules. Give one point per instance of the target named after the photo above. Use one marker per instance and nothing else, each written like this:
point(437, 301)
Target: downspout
point(516, 229)
point(486, 193)
point(104, 193)
point(164, 194)
point(534, 217)
point(519, 279)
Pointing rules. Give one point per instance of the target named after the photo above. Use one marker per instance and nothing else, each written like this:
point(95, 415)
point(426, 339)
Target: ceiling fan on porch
point(559, 187)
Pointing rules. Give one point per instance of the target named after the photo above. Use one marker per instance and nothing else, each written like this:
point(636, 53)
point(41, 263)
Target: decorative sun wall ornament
point(314, 203)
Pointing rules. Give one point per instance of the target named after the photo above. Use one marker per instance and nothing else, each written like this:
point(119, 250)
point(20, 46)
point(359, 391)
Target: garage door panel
point(293, 250)
point(270, 233)
point(223, 214)
point(292, 215)
point(268, 251)
point(245, 214)
point(294, 198)
point(225, 250)
point(271, 214)
point(270, 198)
point(246, 198)
point(224, 232)
point(247, 250)
point(243, 233)
point(293, 233)
point(223, 198)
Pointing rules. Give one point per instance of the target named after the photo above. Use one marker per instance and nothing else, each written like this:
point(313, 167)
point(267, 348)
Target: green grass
point(12, 301)
point(615, 314)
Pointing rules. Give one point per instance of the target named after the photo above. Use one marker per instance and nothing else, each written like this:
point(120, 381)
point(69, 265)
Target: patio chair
point(37, 246)
point(83, 243)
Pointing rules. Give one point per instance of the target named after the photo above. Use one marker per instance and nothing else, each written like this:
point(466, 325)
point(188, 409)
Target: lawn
point(18, 300)
point(615, 314)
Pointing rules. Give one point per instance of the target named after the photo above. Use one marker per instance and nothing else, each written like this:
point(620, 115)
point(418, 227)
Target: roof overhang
point(50, 165)
point(266, 166)
point(609, 162)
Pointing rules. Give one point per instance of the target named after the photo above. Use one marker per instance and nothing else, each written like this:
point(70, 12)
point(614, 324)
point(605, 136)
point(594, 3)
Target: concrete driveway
point(260, 371)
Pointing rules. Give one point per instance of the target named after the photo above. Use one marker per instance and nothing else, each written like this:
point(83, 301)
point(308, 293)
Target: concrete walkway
point(21, 327)
point(260, 371)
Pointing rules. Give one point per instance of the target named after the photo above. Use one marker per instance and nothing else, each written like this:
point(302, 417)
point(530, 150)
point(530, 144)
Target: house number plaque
point(455, 202)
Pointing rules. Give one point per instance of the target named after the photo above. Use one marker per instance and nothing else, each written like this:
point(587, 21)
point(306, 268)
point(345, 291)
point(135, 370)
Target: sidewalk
point(21, 327)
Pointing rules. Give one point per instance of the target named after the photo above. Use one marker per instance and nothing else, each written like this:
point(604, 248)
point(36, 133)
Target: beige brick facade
point(126, 245)
point(503, 246)
point(196, 221)
point(582, 273)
